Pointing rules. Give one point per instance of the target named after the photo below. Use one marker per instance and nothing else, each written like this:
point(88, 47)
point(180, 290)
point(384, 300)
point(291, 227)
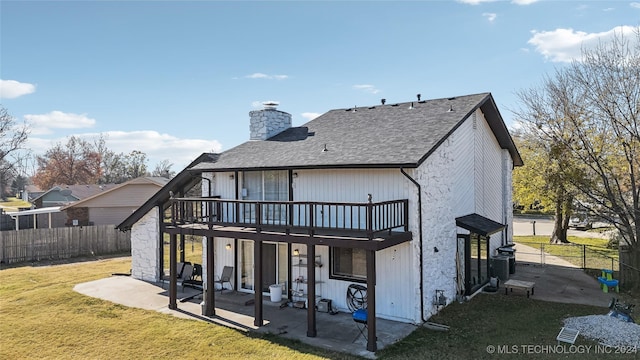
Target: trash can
point(276, 292)
point(509, 251)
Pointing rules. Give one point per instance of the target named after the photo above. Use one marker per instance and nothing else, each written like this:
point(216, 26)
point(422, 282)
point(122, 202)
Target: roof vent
point(383, 101)
point(418, 96)
point(411, 106)
point(325, 148)
point(450, 108)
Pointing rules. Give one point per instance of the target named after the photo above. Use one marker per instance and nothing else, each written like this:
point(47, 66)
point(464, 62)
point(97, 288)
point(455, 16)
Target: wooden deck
point(328, 237)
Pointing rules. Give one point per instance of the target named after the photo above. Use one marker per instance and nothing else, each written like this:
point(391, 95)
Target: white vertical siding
point(396, 271)
point(221, 185)
point(349, 185)
point(507, 203)
point(463, 169)
point(489, 176)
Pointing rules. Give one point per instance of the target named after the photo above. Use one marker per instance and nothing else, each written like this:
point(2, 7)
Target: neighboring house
point(30, 193)
point(61, 195)
point(111, 206)
point(408, 199)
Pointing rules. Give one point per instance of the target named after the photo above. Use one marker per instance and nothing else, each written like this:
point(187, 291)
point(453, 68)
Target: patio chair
point(186, 274)
point(227, 271)
point(195, 280)
point(179, 270)
point(357, 304)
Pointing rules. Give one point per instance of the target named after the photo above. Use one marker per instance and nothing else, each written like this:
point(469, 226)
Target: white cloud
point(635, 5)
point(490, 16)
point(608, 9)
point(367, 88)
point(523, 2)
point(11, 89)
point(474, 2)
point(155, 145)
point(310, 115)
point(565, 45)
point(43, 123)
point(265, 76)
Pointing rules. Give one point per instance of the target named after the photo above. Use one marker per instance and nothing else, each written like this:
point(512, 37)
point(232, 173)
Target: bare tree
point(163, 169)
point(13, 137)
point(590, 111)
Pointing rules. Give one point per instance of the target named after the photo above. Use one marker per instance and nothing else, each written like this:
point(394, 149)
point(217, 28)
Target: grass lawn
point(12, 204)
point(598, 256)
point(42, 317)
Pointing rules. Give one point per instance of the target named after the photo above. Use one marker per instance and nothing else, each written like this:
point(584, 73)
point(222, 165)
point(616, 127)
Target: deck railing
point(366, 217)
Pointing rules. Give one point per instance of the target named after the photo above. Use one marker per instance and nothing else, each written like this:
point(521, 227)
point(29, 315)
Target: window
point(348, 264)
point(266, 186)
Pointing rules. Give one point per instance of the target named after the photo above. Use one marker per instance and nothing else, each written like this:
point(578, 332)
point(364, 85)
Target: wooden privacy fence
point(62, 243)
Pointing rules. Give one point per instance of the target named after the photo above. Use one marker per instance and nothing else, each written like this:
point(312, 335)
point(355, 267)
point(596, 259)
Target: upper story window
point(270, 185)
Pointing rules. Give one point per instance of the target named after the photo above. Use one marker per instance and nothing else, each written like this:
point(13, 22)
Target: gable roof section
point(158, 181)
point(183, 180)
point(78, 192)
point(397, 135)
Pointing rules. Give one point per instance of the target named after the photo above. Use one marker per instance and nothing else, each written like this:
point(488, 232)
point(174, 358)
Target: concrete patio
point(556, 281)
point(336, 332)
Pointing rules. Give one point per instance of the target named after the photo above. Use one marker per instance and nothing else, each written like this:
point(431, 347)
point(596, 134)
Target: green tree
point(136, 164)
point(529, 185)
point(589, 114)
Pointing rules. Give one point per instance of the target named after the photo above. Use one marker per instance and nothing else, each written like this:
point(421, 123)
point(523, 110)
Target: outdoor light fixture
point(231, 177)
point(295, 175)
point(296, 252)
point(228, 246)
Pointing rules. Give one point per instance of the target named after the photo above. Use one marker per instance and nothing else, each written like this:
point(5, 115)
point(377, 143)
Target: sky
point(174, 79)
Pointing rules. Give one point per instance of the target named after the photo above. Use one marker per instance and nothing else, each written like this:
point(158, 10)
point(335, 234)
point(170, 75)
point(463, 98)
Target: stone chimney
point(268, 122)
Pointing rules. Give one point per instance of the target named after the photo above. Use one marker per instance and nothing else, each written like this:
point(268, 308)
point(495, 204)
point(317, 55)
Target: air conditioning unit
point(324, 305)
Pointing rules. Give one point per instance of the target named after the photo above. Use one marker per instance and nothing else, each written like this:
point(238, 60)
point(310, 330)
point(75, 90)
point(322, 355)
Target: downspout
point(420, 242)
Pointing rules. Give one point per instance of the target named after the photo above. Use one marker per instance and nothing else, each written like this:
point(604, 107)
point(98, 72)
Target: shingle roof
point(183, 180)
point(79, 192)
point(159, 181)
point(392, 135)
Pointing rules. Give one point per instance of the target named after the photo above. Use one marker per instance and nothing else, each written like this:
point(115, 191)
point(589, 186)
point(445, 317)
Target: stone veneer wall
point(438, 225)
point(145, 247)
point(267, 123)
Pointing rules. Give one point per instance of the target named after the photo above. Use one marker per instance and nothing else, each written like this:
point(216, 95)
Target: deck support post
point(371, 301)
point(173, 276)
point(182, 244)
point(311, 290)
point(209, 287)
point(257, 282)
